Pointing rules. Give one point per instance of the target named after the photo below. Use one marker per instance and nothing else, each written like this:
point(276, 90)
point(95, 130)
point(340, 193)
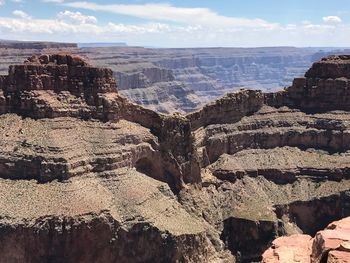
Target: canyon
point(88, 176)
point(182, 80)
point(169, 80)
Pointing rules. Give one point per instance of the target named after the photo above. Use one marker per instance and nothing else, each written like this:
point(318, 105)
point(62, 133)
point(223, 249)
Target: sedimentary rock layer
point(331, 245)
point(88, 176)
point(274, 163)
point(182, 80)
point(169, 80)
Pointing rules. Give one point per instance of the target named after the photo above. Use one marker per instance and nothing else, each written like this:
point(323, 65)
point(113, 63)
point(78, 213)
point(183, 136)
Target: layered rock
point(324, 83)
point(183, 80)
point(330, 245)
point(88, 176)
point(170, 80)
point(52, 86)
point(277, 165)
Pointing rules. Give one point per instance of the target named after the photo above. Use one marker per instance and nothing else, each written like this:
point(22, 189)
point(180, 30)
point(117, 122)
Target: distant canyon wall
point(182, 80)
point(171, 80)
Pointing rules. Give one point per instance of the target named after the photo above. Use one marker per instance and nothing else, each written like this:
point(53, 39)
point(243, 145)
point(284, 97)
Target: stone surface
point(294, 248)
point(329, 245)
point(338, 257)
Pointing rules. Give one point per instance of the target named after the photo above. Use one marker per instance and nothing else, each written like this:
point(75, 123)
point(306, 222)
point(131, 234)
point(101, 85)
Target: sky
point(175, 23)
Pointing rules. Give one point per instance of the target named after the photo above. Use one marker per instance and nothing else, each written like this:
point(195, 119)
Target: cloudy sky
point(175, 23)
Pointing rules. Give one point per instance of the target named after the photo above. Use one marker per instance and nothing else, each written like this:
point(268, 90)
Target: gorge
point(183, 80)
point(88, 176)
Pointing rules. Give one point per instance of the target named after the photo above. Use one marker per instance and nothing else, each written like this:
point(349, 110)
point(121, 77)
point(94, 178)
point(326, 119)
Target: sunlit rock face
point(88, 176)
point(329, 245)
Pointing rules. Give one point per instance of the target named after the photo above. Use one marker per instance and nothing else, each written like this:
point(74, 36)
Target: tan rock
point(345, 246)
point(341, 224)
point(294, 248)
point(338, 257)
point(328, 240)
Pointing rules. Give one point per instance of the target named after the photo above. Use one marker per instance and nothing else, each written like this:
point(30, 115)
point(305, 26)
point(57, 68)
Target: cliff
point(87, 176)
point(274, 164)
point(183, 80)
point(324, 83)
point(170, 80)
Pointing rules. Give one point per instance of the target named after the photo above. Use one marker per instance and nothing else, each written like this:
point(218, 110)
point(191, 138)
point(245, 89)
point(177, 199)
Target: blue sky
point(180, 23)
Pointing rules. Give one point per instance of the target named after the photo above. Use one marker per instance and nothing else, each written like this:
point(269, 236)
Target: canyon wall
point(87, 175)
point(182, 80)
point(171, 80)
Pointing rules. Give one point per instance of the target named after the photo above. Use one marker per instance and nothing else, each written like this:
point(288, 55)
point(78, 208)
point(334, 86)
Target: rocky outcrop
point(230, 108)
point(324, 83)
point(329, 245)
point(86, 175)
point(52, 86)
point(294, 248)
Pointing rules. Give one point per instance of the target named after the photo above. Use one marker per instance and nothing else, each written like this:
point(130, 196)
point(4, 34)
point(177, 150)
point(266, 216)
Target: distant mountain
point(15, 44)
point(117, 44)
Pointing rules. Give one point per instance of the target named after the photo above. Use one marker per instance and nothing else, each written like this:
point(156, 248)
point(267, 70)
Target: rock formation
point(76, 167)
point(87, 176)
point(169, 80)
point(331, 245)
point(274, 164)
point(181, 80)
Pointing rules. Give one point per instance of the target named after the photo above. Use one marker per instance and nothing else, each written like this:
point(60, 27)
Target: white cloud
point(167, 12)
point(76, 18)
point(21, 14)
point(167, 25)
point(2, 2)
point(165, 34)
point(332, 19)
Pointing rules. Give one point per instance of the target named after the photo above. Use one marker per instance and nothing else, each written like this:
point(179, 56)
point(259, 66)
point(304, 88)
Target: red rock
point(338, 257)
point(331, 245)
point(294, 248)
point(328, 240)
point(345, 246)
point(331, 67)
point(341, 224)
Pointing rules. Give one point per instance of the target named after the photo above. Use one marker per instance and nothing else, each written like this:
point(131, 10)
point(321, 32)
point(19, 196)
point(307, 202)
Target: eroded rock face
point(185, 79)
point(87, 176)
point(281, 167)
point(329, 245)
point(325, 83)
